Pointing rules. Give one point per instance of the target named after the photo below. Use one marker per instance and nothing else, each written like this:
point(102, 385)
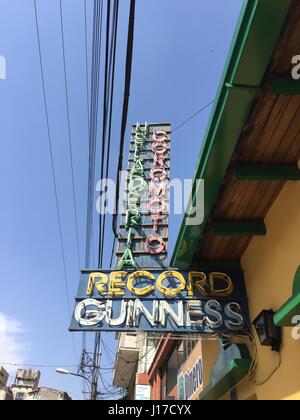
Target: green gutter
point(256, 36)
point(287, 315)
point(232, 366)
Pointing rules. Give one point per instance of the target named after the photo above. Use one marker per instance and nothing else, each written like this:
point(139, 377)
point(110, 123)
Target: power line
point(193, 116)
point(69, 130)
point(128, 71)
point(88, 128)
point(104, 124)
point(52, 169)
point(108, 355)
point(95, 75)
point(86, 63)
point(113, 252)
point(31, 365)
point(90, 365)
point(110, 103)
point(128, 362)
point(87, 93)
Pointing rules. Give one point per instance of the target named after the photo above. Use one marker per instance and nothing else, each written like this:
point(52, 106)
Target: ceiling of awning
point(270, 137)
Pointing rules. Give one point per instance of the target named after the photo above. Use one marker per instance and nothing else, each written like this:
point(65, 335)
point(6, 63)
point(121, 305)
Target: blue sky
point(179, 55)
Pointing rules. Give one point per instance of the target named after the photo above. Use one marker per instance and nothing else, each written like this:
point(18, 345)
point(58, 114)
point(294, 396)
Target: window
point(172, 370)
point(20, 396)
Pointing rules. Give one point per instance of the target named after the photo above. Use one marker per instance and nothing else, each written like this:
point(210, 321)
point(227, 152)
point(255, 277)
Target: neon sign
point(136, 186)
point(147, 199)
point(161, 300)
point(141, 293)
point(158, 190)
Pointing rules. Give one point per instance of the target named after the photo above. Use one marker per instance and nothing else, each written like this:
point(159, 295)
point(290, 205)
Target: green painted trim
point(296, 284)
point(232, 366)
point(261, 172)
point(239, 228)
point(247, 63)
point(234, 373)
point(283, 85)
point(284, 316)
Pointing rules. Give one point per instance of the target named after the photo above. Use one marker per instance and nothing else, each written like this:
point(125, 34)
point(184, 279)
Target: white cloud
point(13, 348)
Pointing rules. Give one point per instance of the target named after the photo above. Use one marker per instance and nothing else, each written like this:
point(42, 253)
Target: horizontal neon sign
point(161, 300)
point(158, 284)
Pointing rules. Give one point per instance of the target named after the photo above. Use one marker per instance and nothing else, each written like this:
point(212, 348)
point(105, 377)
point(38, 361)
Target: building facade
point(26, 381)
point(47, 394)
point(3, 377)
point(135, 355)
point(5, 392)
point(252, 220)
point(250, 165)
point(26, 388)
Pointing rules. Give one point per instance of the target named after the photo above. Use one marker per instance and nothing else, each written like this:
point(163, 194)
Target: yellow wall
point(210, 354)
point(270, 264)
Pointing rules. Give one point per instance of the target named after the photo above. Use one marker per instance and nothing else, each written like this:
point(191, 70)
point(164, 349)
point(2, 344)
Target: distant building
point(3, 377)
point(26, 381)
point(26, 388)
point(5, 392)
point(47, 394)
point(134, 358)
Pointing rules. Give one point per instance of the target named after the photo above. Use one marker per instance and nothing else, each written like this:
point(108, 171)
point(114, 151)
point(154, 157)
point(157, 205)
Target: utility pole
point(96, 367)
point(90, 366)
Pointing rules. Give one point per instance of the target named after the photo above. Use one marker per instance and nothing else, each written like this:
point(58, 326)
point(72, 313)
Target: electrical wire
point(113, 252)
point(128, 362)
point(109, 389)
point(108, 355)
point(93, 130)
point(87, 94)
point(88, 131)
point(32, 365)
point(92, 114)
point(193, 116)
point(128, 72)
point(104, 125)
point(69, 130)
point(93, 125)
point(52, 168)
point(109, 66)
point(112, 65)
point(104, 385)
point(260, 383)
point(86, 65)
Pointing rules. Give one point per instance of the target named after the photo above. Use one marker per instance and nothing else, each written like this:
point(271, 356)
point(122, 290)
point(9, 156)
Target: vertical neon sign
point(143, 238)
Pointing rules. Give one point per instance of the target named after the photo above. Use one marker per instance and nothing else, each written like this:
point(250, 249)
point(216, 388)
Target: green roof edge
point(250, 53)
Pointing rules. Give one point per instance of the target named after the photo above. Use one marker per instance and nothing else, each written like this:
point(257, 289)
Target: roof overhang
point(256, 36)
point(125, 368)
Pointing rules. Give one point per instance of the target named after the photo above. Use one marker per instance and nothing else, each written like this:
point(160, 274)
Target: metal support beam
point(283, 85)
point(239, 228)
point(267, 172)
